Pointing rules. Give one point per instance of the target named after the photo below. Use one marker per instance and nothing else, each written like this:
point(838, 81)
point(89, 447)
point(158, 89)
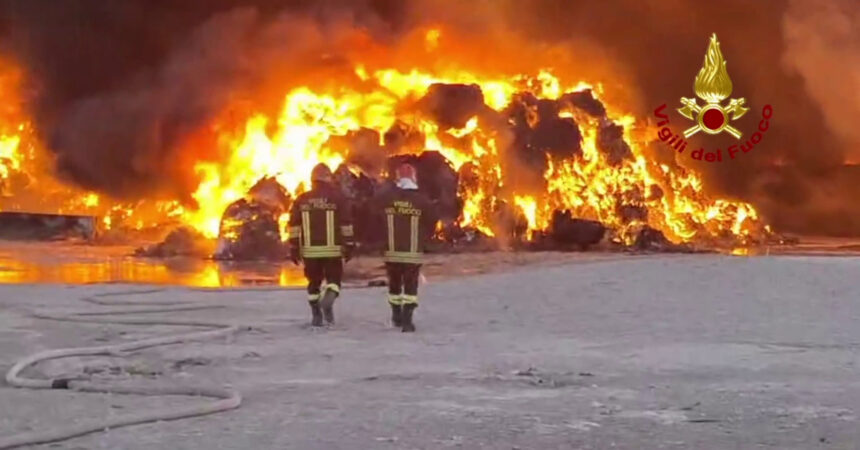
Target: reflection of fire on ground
point(69, 263)
point(511, 159)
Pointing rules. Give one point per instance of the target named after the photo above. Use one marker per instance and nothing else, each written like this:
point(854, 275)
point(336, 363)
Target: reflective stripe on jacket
point(409, 222)
point(320, 223)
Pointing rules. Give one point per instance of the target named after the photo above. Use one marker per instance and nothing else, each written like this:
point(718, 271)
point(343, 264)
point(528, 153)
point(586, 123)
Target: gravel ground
point(695, 351)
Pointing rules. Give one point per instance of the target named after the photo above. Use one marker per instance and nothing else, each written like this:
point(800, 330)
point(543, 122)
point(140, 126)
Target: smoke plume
point(823, 45)
point(122, 87)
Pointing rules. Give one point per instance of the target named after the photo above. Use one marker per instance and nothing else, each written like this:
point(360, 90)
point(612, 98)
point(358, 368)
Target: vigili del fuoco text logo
point(713, 86)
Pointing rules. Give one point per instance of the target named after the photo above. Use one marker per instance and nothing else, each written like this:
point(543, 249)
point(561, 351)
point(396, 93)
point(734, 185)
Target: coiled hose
point(225, 399)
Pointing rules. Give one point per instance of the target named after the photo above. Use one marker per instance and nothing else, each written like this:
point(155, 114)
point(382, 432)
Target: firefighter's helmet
point(407, 171)
point(321, 172)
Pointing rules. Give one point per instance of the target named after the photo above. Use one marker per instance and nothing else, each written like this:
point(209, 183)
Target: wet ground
point(82, 263)
point(74, 263)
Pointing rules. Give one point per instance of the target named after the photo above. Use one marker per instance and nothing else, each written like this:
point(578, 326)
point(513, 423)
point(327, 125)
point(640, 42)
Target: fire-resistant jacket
point(321, 223)
point(409, 220)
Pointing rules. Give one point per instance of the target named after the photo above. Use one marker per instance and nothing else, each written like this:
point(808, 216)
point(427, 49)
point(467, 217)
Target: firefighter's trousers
point(318, 270)
point(403, 283)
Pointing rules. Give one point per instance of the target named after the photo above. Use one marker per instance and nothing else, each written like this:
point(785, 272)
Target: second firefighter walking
point(321, 235)
point(409, 222)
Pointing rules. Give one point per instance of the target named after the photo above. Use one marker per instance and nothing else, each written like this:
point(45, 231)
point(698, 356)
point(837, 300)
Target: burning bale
point(354, 186)
point(509, 224)
point(250, 227)
point(585, 101)
point(452, 105)
point(540, 132)
point(566, 230)
point(250, 230)
point(182, 241)
point(610, 140)
point(535, 169)
point(270, 193)
point(632, 213)
point(556, 136)
point(630, 206)
point(478, 203)
point(402, 137)
point(363, 147)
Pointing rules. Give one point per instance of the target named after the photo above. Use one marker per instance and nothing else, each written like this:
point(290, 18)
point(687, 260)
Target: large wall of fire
point(536, 140)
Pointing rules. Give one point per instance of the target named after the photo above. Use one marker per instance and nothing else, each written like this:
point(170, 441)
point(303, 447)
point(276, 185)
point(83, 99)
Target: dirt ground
point(582, 351)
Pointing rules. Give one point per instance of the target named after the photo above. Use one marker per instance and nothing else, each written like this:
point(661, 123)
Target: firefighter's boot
point(316, 314)
point(396, 315)
point(406, 317)
point(327, 304)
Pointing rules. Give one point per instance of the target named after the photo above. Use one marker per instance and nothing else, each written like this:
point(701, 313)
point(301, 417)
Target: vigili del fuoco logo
point(713, 86)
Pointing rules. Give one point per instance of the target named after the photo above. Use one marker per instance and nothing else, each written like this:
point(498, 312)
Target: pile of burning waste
point(511, 161)
point(539, 173)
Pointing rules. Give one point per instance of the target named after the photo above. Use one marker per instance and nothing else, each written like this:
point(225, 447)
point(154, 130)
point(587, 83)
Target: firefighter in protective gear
point(409, 221)
point(321, 235)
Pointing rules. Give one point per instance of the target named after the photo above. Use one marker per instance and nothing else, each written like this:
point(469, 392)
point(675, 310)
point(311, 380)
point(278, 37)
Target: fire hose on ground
point(224, 399)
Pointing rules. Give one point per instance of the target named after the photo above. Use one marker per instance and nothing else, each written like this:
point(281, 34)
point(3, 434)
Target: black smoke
point(118, 86)
point(799, 56)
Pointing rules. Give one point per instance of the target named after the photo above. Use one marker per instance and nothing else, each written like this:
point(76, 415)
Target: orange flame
point(589, 185)
point(287, 145)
